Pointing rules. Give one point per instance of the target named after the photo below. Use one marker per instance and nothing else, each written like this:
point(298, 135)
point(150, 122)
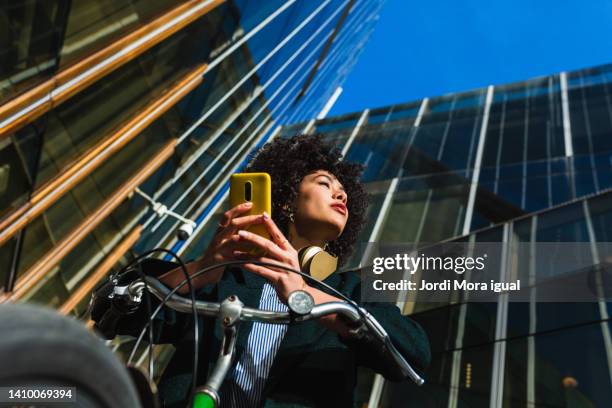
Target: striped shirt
point(246, 382)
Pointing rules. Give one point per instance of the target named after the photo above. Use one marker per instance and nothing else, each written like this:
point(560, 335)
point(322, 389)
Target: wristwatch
point(300, 302)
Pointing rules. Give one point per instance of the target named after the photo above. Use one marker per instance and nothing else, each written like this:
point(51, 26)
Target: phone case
point(261, 196)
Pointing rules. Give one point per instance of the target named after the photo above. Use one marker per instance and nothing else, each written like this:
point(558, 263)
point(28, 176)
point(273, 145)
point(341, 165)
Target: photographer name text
point(447, 285)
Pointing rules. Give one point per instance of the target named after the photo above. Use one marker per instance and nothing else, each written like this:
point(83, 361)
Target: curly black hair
point(289, 160)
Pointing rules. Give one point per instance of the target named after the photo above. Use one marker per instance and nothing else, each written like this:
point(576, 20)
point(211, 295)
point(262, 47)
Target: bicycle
point(231, 312)
point(57, 356)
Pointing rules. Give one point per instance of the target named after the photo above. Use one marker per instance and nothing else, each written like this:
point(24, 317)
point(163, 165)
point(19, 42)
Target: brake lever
point(380, 334)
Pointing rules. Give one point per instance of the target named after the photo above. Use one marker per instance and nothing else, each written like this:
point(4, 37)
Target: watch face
point(300, 302)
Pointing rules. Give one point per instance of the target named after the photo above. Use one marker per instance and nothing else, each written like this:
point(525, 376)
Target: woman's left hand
point(277, 250)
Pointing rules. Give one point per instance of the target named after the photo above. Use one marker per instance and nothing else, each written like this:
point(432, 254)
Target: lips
point(340, 208)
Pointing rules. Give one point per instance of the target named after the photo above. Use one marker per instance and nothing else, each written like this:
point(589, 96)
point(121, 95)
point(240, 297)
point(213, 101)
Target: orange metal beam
point(101, 271)
point(33, 103)
point(37, 271)
point(76, 171)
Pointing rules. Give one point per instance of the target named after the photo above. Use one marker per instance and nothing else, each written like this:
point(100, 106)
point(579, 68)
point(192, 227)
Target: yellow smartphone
point(256, 188)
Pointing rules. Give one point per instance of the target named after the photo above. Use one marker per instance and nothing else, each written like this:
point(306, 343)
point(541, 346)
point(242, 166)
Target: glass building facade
point(517, 164)
point(106, 102)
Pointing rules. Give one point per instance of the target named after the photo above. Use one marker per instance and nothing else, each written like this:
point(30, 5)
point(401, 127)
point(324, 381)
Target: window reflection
point(590, 111)
point(524, 123)
point(70, 210)
point(342, 123)
point(6, 258)
point(39, 37)
point(472, 390)
point(381, 150)
point(93, 24)
point(447, 136)
point(30, 34)
point(568, 368)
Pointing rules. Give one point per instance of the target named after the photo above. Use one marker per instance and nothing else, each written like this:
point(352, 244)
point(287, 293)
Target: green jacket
point(313, 367)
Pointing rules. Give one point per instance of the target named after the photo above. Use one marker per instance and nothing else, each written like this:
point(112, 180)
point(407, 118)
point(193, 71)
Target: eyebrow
point(330, 179)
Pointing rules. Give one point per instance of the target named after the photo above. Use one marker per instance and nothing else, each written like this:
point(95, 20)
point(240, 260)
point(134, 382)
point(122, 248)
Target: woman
point(317, 200)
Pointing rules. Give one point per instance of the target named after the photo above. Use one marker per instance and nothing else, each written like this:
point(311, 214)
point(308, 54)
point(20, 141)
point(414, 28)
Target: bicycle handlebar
point(181, 304)
point(233, 312)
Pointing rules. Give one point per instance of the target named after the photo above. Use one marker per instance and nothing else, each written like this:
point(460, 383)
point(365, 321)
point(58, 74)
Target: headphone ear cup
point(305, 256)
point(316, 262)
point(322, 265)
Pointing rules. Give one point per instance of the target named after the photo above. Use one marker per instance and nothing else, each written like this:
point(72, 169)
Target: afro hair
point(289, 160)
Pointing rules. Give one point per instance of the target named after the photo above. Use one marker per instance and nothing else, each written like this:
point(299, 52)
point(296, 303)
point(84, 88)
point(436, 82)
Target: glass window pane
point(38, 38)
point(569, 369)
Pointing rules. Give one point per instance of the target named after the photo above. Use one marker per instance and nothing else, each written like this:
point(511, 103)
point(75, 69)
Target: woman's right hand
point(221, 249)
point(226, 239)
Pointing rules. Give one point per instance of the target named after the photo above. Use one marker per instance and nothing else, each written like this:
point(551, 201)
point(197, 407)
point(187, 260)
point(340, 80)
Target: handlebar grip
point(384, 341)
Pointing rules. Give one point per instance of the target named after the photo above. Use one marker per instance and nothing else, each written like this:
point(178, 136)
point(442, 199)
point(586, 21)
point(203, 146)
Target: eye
point(326, 184)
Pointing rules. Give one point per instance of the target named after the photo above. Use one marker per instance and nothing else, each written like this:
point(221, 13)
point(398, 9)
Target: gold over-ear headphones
point(317, 262)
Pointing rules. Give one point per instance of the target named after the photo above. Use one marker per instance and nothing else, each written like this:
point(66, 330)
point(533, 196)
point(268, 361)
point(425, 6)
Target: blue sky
point(428, 48)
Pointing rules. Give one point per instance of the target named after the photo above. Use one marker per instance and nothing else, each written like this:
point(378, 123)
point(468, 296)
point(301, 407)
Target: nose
point(340, 195)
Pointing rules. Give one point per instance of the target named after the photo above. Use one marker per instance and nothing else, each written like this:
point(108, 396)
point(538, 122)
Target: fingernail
point(265, 215)
point(242, 233)
point(248, 204)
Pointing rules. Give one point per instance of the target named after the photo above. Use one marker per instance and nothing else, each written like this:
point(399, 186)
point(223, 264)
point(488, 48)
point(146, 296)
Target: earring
point(291, 216)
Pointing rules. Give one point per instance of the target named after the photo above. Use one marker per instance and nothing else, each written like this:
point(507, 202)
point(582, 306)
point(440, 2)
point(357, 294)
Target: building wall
point(523, 163)
point(104, 99)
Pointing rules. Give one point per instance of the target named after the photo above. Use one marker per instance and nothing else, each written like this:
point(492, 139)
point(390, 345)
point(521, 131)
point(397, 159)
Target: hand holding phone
point(257, 189)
